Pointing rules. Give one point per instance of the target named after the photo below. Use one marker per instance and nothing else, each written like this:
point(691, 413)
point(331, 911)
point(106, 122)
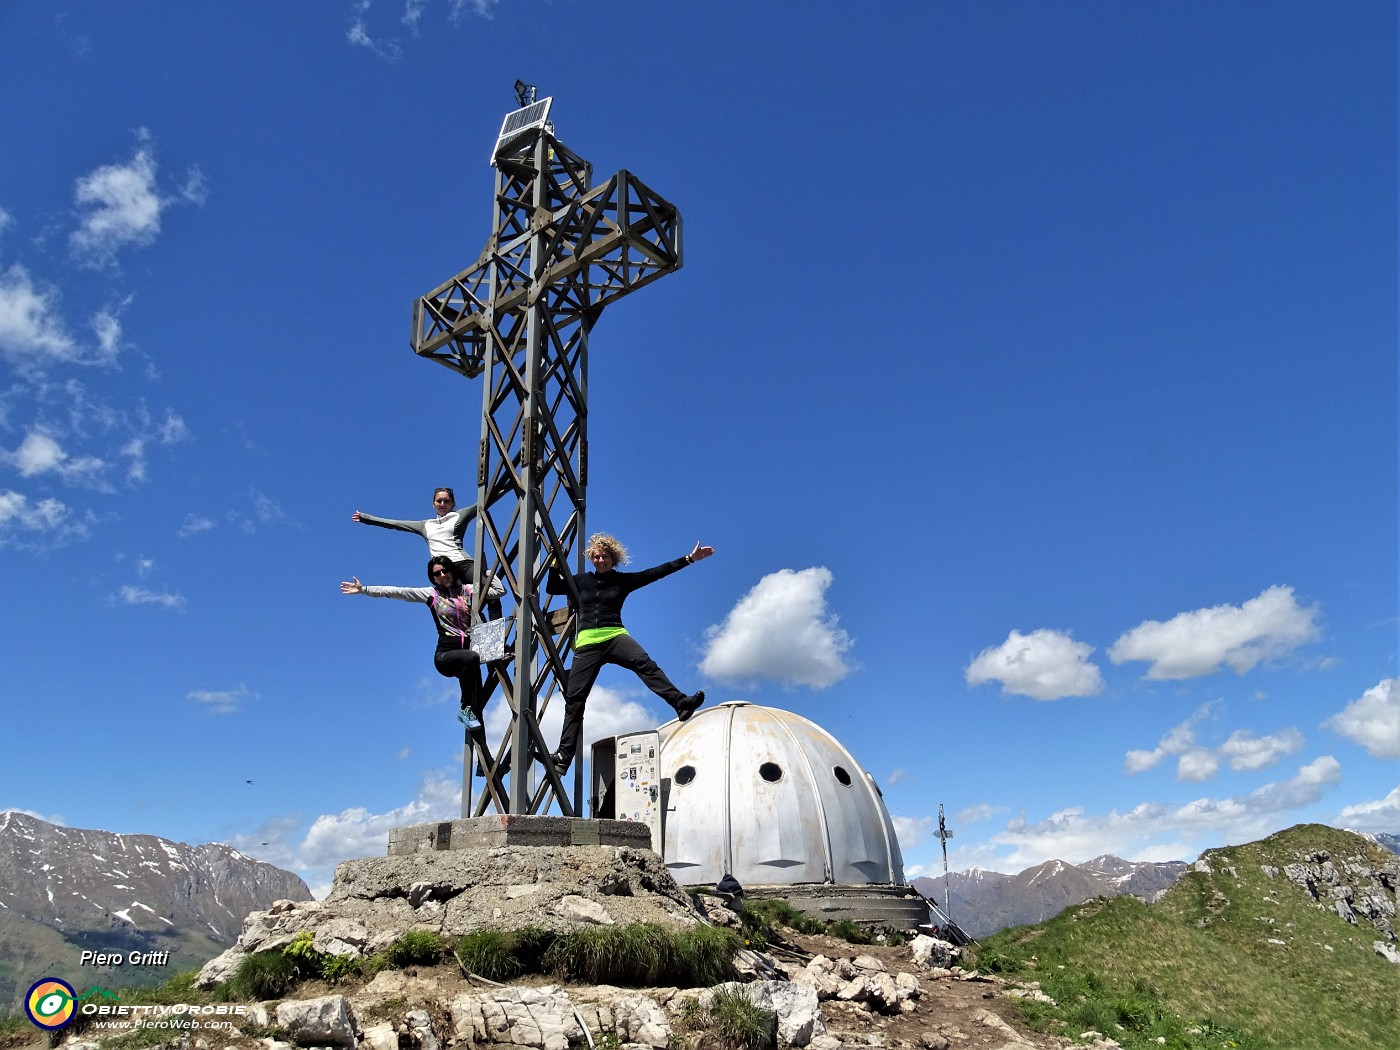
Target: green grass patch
point(417, 948)
point(491, 954)
point(642, 955)
point(1229, 958)
point(738, 1022)
point(265, 975)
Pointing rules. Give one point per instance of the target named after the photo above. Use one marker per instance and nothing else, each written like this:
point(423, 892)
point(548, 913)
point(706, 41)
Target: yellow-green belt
point(597, 635)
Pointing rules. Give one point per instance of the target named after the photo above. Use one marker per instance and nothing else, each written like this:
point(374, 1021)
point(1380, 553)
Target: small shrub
point(738, 1022)
point(703, 955)
point(264, 975)
point(633, 955)
point(490, 954)
point(337, 968)
point(850, 932)
point(416, 948)
point(528, 944)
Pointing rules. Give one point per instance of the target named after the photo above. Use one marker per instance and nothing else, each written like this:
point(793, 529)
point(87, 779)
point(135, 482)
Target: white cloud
point(359, 35)
point(221, 701)
point(1248, 752)
point(459, 9)
point(1175, 741)
point(897, 775)
point(1373, 721)
point(1076, 836)
point(609, 712)
point(980, 811)
point(1197, 764)
point(121, 205)
point(357, 832)
point(270, 842)
point(107, 327)
point(1381, 815)
point(265, 511)
point(128, 595)
point(780, 631)
point(1243, 750)
point(911, 831)
point(193, 525)
point(1192, 644)
point(29, 322)
point(39, 453)
point(1044, 665)
point(45, 525)
point(169, 431)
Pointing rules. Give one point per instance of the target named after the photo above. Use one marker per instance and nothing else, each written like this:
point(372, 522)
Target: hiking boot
point(687, 706)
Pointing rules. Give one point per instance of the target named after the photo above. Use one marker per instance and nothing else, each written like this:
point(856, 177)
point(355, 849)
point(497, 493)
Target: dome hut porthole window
point(842, 775)
point(771, 772)
point(685, 775)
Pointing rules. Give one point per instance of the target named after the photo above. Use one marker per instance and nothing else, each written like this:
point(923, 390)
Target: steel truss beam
point(559, 252)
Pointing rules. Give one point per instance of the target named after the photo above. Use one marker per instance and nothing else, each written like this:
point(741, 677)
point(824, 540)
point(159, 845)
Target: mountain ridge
point(65, 891)
point(984, 901)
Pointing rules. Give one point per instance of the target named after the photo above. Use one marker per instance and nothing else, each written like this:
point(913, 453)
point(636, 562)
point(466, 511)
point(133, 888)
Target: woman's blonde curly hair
point(610, 545)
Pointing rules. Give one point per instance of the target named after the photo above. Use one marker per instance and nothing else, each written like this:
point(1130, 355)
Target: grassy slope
point(1203, 954)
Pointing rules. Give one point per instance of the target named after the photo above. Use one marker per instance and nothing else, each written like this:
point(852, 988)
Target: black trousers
point(588, 661)
point(465, 666)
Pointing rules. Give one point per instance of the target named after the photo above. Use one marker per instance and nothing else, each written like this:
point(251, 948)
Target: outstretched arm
point(390, 523)
point(403, 594)
point(633, 580)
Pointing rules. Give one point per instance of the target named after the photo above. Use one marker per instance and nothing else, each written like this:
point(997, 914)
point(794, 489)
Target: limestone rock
point(535, 1017)
point(930, 952)
point(794, 1006)
point(375, 901)
point(639, 1020)
point(327, 1021)
point(581, 909)
point(379, 1037)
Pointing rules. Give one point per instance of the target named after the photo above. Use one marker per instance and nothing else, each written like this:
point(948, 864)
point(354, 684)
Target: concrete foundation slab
point(508, 829)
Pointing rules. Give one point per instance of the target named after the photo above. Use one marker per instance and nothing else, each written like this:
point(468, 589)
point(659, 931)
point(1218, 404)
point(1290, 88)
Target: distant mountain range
point(64, 891)
point(982, 901)
point(1390, 842)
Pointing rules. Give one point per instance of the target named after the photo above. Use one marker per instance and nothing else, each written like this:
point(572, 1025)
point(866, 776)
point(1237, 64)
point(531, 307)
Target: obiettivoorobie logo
point(51, 1003)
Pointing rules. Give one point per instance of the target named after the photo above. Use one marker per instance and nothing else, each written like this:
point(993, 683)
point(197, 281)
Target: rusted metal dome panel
point(773, 799)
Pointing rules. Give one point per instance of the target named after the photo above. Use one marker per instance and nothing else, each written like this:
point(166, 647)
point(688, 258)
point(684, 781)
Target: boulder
point(327, 1021)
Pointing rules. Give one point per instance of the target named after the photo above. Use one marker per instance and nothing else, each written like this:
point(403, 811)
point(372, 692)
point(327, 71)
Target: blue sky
point(1032, 370)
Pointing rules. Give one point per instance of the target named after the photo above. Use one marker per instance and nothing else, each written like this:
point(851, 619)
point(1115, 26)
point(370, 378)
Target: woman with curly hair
point(602, 639)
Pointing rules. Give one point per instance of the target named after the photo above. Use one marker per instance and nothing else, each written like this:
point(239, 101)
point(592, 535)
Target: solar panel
point(535, 115)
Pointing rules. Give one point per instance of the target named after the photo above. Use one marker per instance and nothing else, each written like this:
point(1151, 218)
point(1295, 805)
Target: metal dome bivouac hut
point(771, 798)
